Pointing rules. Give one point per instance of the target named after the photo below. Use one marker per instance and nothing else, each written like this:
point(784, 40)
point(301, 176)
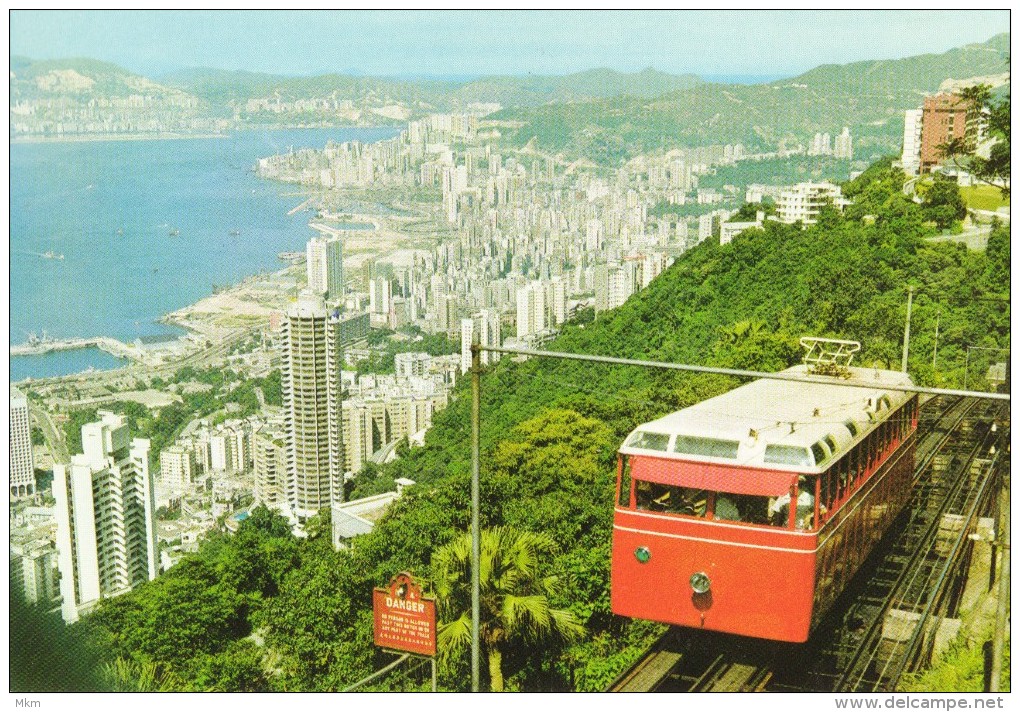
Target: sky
point(472, 43)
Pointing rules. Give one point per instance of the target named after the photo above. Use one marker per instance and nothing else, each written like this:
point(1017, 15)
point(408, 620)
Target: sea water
point(108, 236)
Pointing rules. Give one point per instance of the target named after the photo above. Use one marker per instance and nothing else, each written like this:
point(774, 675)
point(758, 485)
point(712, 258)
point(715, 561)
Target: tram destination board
point(405, 620)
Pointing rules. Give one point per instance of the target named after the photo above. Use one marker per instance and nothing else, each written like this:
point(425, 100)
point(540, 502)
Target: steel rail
point(740, 373)
point(948, 566)
point(907, 576)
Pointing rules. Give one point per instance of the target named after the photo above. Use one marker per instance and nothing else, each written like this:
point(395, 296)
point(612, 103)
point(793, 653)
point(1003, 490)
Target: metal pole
point(435, 677)
point(1001, 617)
point(476, 548)
point(966, 368)
point(935, 351)
point(906, 329)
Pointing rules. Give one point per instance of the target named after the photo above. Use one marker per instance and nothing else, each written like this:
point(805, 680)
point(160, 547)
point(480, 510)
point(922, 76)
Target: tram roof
point(792, 416)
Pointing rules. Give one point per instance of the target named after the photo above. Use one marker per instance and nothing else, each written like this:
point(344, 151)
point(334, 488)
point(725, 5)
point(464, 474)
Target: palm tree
point(514, 596)
point(126, 675)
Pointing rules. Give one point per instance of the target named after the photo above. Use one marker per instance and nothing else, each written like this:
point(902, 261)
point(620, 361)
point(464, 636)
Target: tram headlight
point(642, 554)
point(700, 583)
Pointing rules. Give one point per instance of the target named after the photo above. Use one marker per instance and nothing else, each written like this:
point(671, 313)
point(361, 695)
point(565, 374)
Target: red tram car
point(748, 513)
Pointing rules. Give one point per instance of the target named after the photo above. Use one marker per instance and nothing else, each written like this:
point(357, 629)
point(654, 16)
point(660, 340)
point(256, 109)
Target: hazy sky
point(405, 42)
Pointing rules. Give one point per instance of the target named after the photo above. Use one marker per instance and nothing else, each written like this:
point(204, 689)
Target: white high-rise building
point(803, 202)
point(270, 445)
point(177, 466)
point(531, 315)
point(614, 283)
point(412, 363)
point(380, 295)
point(911, 158)
point(844, 145)
point(556, 300)
point(22, 480)
point(311, 360)
point(486, 324)
point(220, 452)
point(106, 539)
point(325, 263)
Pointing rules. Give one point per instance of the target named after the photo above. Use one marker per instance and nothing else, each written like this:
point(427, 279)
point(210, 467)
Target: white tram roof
point(774, 424)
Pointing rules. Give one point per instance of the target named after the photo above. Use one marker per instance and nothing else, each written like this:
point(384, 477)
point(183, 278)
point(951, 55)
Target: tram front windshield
point(727, 506)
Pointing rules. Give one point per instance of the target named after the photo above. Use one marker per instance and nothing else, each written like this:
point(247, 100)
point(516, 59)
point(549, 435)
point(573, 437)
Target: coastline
point(90, 138)
point(174, 136)
point(242, 305)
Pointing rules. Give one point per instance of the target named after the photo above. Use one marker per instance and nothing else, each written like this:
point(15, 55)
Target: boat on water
point(51, 255)
point(175, 232)
point(235, 233)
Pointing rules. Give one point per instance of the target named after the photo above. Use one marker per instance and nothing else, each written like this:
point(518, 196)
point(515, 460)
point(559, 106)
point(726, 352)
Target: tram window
point(819, 452)
point(707, 447)
point(829, 488)
point(648, 441)
point(779, 508)
point(787, 455)
point(675, 500)
point(625, 486)
point(831, 442)
point(742, 508)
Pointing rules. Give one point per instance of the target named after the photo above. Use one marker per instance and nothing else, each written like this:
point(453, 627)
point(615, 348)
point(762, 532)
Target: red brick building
point(945, 117)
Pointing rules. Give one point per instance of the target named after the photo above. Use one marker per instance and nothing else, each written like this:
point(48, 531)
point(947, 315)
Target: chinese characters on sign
point(404, 619)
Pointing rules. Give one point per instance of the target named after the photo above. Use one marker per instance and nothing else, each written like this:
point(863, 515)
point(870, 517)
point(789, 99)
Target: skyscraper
point(22, 468)
point(911, 157)
point(106, 540)
point(311, 363)
point(531, 315)
point(325, 263)
point(844, 145)
point(486, 324)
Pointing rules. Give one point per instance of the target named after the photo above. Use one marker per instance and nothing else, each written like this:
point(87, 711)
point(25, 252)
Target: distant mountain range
point(599, 113)
point(868, 97)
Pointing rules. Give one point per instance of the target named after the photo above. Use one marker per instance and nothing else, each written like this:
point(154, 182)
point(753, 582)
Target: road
point(975, 238)
point(54, 438)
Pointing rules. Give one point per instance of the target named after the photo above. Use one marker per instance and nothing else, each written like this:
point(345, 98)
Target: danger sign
point(404, 619)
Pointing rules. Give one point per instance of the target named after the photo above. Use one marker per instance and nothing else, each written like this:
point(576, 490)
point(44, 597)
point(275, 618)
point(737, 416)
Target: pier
point(103, 343)
point(300, 207)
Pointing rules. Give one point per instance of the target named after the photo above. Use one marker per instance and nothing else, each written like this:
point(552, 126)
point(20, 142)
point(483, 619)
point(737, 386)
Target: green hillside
point(52, 77)
point(261, 610)
point(582, 86)
point(221, 87)
point(868, 97)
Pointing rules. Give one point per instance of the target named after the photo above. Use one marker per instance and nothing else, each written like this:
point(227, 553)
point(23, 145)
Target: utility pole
point(476, 548)
point(906, 329)
point(1001, 613)
point(935, 351)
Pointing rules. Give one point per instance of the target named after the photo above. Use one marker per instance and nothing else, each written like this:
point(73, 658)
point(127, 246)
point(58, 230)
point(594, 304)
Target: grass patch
point(983, 197)
point(961, 669)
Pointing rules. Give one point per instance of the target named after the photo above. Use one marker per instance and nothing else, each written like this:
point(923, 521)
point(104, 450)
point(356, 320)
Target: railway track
point(913, 580)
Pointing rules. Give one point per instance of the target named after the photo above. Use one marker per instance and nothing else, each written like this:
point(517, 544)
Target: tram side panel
point(855, 530)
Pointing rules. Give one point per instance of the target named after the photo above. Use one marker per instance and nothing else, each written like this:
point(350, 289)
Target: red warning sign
point(404, 619)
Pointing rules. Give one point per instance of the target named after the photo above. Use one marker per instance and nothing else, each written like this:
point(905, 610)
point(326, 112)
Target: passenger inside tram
point(677, 500)
point(779, 508)
point(654, 497)
point(742, 508)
